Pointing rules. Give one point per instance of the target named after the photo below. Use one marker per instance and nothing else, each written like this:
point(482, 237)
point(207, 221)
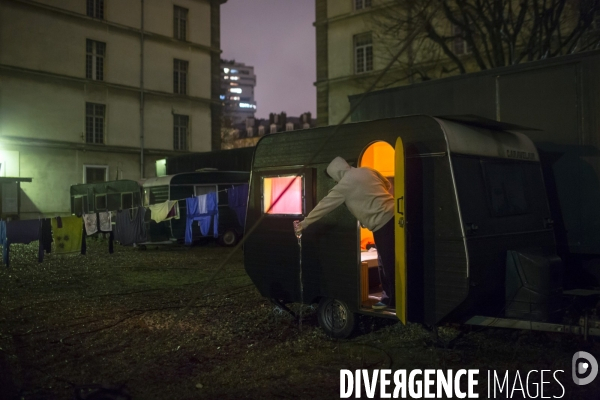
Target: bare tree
point(470, 35)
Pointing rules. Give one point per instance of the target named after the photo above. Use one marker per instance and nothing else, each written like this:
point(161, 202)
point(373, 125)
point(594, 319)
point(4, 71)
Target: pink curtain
point(290, 201)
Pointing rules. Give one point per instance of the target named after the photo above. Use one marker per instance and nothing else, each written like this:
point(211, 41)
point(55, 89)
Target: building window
point(180, 69)
point(459, 45)
point(180, 131)
point(95, 173)
point(179, 22)
point(95, 9)
point(363, 53)
point(94, 122)
point(362, 4)
point(94, 60)
point(282, 195)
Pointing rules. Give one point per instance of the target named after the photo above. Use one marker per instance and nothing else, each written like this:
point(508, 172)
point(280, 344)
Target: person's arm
point(325, 206)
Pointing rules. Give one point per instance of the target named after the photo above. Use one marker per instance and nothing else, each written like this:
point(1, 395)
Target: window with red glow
point(278, 200)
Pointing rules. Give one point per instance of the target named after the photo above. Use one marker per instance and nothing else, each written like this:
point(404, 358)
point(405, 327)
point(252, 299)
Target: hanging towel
point(105, 221)
point(164, 211)
point(210, 216)
point(23, 232)
point(68, 239)
point(46, 235)
point(174, 211)
point(91, 223)
point(130, 227)
point(237, 198)
point(202, 208)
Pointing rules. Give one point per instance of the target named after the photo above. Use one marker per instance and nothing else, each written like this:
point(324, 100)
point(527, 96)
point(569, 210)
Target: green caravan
point(181, 186)
point(105, 196)
point(474, 236)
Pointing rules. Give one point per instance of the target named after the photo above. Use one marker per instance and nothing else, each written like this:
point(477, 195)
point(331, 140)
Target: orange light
point(380, 157)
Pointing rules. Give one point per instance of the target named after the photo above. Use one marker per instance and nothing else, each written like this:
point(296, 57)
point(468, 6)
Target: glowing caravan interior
point(290, 201)
point(380, 157)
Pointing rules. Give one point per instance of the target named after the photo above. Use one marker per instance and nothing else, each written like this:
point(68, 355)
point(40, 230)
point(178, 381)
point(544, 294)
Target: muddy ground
point(121, 321)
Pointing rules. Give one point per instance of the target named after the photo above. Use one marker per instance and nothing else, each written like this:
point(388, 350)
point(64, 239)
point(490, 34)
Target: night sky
point(277, 38)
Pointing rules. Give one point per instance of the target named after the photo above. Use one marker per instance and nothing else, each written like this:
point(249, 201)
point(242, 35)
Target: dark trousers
point(385, 243)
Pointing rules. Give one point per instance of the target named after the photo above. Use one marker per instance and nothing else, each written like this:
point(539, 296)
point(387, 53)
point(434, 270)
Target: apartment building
point(237, 90)
point(97, 90)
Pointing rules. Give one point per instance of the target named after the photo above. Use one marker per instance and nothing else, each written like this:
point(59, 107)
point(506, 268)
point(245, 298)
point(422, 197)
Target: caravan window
point(80, 205)
point(283, 195)
point(100, 202)
point(126, 200)
point(506, 189)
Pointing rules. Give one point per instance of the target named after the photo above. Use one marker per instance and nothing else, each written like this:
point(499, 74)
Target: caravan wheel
point(229, 238)
point(335, 318)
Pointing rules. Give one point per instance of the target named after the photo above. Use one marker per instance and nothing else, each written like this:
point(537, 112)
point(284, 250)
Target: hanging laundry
point(201, 207)
point(237, 198)
point(130, 226)
point(174, 212)
point(165, 211)
point(46, 235)
point(68, 234)
point(105, 226)
point(91, 223)
point(23, 232)
point(105, 221)
point(205, 210)
point(3, 238)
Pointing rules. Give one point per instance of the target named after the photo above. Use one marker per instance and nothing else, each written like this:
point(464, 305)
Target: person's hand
point(297, 228)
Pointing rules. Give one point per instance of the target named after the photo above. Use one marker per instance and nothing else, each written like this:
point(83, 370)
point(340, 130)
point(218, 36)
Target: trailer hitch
point(278, 304)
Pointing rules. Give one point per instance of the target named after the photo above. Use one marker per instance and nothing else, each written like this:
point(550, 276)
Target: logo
point(585, 368)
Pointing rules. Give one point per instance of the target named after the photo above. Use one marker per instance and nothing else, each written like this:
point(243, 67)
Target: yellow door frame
point(400, 231)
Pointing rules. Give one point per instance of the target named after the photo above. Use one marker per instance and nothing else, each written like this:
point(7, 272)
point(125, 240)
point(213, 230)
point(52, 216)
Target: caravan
point(473, 229)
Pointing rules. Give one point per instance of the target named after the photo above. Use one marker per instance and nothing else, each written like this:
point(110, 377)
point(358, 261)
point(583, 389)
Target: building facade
point(97, 90)
point(343, 31)
point(237, 91)
point(249, 132)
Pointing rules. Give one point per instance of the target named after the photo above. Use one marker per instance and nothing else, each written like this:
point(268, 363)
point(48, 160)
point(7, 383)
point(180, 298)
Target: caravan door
point(400, 234)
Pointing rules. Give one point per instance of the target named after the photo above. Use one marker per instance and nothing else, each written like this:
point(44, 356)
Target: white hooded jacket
point(365, 191)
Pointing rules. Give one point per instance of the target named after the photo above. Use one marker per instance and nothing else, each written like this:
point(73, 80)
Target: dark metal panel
point(450, 96)
point(544, 98)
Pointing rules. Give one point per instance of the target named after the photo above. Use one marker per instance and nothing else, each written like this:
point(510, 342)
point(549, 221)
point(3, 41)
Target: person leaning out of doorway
point(367, 195)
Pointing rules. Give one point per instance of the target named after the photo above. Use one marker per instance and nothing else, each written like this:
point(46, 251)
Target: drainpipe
point(142, 93)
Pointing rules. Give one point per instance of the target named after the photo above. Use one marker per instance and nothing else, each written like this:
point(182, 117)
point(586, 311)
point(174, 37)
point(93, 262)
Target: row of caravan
point(129, 194)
